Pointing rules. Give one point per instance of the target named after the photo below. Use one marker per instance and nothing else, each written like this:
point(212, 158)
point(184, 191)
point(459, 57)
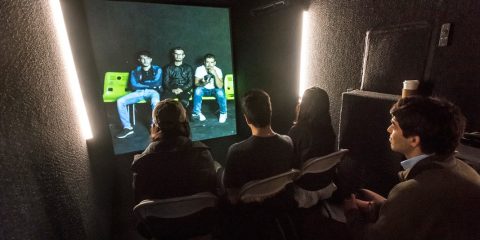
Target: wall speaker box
point(393, 54)
point(364, 120)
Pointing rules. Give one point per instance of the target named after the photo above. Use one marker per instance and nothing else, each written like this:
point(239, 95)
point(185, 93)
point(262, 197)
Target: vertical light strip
point(304, 53)
point(70, 70)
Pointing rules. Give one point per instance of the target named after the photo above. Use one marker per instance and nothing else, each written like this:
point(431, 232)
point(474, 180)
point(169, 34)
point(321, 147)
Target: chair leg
point(280, 229)
point(287, 230)
point(131, 113)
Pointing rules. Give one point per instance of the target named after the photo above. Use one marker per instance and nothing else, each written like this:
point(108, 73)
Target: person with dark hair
point(438, 195)
point(313, 136)
point(262, 155)
point(172, 165)
point(312, 133)
point(146, 83)
point(209, 82)
point(179, 78)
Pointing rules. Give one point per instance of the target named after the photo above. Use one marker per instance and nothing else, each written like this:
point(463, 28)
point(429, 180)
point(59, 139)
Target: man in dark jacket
point(146, 82)
point(179, 78)
point(438, 196)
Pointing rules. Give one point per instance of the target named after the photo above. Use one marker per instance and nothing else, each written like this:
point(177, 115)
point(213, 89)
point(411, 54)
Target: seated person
point(172, 165)
point(179, 78)
point(262, 155)
point(312, 133)
point(209, 82)
point(146, 82)
point(313, 136)
point(438, 195)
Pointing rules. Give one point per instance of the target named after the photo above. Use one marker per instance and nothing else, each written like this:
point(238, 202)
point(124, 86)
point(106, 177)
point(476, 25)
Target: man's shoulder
point(239, 145)
point(286, 139)
point(199, 145)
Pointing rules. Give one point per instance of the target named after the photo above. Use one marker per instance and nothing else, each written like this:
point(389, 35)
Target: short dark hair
point(169, 120)
point(208, 55)
point(144, 53)
point(438, 123)
point(257, 107)
point(175, 49)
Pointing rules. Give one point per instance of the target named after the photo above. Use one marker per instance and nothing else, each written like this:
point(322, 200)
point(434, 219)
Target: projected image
point(146, 52)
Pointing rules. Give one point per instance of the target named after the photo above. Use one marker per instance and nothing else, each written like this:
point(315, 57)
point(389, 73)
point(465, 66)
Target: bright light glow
point(304, 53)
point(70, 70)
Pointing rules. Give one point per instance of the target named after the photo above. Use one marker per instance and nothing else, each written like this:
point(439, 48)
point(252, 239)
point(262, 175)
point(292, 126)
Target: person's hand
point(177, 91)
point(212, 71)
point(353, 203)
point(373, 196)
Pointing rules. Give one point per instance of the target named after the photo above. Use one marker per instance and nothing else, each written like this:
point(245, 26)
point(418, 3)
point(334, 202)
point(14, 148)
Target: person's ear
point(414, 141)
point(246, 119)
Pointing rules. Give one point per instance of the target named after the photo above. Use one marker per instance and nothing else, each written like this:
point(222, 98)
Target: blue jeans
point(134, 97)
point(219, 94)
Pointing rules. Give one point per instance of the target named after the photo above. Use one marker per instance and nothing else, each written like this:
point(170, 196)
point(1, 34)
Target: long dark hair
point(314, 110)
point(169, 121)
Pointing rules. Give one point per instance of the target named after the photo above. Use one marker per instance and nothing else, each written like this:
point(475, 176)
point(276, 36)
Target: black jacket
point(175, 168)
point(178, 77)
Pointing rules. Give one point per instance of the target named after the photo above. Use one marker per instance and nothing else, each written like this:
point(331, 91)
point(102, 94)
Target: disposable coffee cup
point(410, 87)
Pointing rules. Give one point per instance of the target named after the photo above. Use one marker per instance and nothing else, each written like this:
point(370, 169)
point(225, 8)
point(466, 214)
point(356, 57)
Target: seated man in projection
point(262, 155)
point(209, 82)
point(146, 82)
point(438, 196)
point(179, 78)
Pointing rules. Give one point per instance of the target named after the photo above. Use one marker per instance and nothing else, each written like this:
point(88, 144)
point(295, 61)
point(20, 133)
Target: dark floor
point(211, 128)
point(207, 129)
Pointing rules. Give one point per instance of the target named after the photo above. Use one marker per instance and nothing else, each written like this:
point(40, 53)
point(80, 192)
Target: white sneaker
point(202, 117)
point(222, 118)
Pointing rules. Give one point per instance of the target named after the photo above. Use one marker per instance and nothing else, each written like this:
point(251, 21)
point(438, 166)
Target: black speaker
point(394, 54)
point(364, 120)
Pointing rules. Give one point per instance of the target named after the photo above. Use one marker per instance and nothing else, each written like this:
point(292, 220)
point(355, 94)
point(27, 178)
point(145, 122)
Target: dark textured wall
point(337, 44)
point(338, 38)
point(49, 184)
point(267, 54)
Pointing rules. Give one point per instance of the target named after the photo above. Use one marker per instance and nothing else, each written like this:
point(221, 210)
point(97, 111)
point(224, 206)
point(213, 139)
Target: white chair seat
point(259, 190)
point(175, 207)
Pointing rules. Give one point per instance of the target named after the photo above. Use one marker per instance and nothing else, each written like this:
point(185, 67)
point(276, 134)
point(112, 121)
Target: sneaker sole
point(126, 135)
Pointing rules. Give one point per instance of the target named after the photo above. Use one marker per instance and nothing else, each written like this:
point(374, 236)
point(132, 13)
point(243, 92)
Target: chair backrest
point(175, 207)
point(258, 190)
point(319, 172)
point(115, 86)
point(322, 164)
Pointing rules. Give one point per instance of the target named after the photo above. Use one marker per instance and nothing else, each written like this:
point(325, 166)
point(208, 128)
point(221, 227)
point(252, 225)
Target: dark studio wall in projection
point(119, 30)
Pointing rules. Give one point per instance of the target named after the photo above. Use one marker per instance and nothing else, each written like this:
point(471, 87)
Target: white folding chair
point(315, 181)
